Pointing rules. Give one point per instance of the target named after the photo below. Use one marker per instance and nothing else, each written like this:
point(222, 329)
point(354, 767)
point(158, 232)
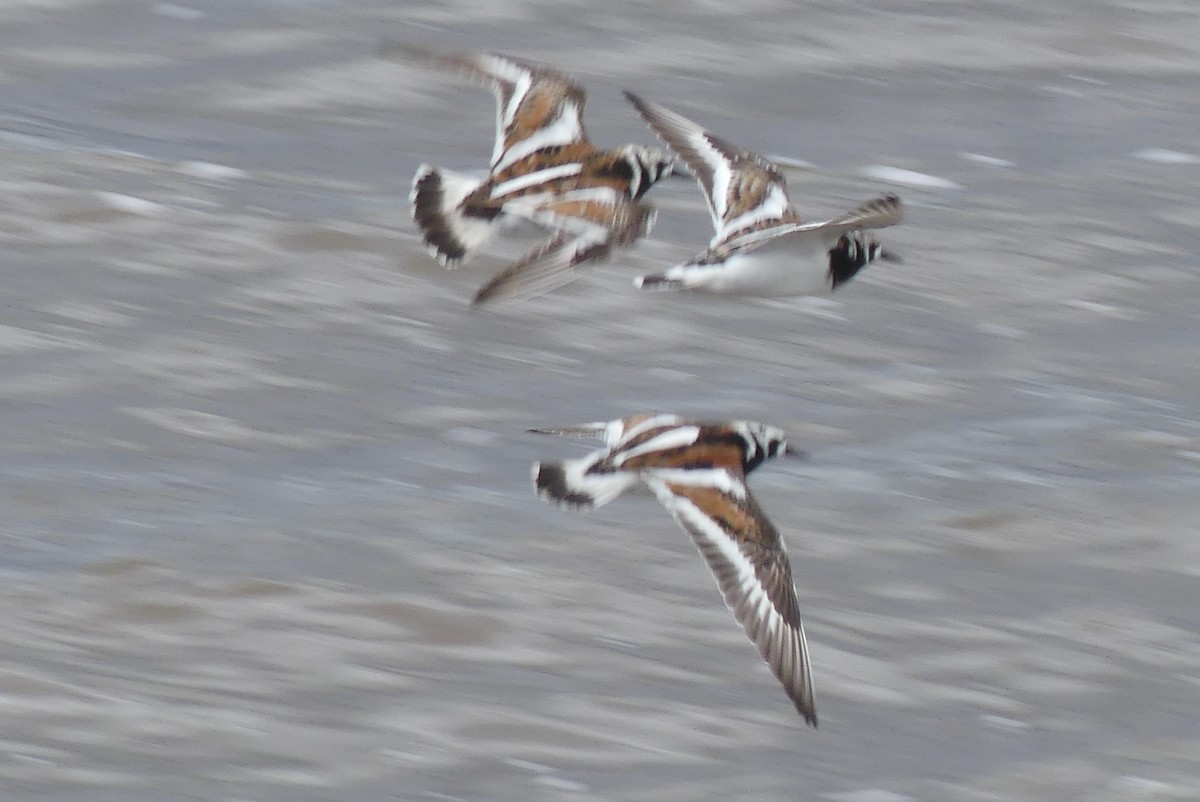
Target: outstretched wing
point(614, 431)
point(877, 213)
point(742, 189)
point(536, 106)
point(587, 231)
point(748, 559)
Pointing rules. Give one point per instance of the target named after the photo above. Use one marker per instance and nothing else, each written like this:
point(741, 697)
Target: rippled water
point(268, 532)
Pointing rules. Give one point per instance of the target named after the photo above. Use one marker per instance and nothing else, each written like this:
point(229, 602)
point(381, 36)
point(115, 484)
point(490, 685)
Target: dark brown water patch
point(987, 520)
point(122, 566)
point(436, 627)
point(328, 239)
point(155, 612)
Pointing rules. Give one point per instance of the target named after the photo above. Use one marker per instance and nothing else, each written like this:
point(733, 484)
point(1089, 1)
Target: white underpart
point(564, 130)
point(716, 478)
point(644, 426)
point(759, 275)
point(677, 437)
point(535, 178)
point(780, 261)
point(772, 207)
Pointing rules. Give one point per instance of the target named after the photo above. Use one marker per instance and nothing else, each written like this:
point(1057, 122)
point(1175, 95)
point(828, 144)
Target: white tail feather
point(436, 197)
point(568, 482)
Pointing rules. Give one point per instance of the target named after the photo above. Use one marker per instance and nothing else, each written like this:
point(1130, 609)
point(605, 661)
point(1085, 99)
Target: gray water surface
point(268, 532)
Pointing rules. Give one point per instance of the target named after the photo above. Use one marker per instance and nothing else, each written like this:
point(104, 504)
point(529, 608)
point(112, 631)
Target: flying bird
point(698, 472)
point(543, 169)
point(761, 246)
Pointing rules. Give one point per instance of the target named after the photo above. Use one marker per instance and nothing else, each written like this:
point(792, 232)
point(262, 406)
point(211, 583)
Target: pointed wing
point(877, 213)
point(587, 231)
point(536, 106)
point(587, 209)
point(742, 189)
point(596, 429)
point(748, 559)
point(612, 432)
point(545, 268)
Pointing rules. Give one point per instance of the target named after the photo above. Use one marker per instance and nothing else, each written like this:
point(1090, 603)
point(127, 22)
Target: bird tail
point(579, 482)
point(437, 197)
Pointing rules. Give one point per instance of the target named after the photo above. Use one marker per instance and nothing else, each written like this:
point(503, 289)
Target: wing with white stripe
point(741, 188)
point(536, 106)
point(597, 429)
point(877, 213)
point(748, 559)
point(612, 432)
point(792, 237)
point(547, 267)
point(584, 209)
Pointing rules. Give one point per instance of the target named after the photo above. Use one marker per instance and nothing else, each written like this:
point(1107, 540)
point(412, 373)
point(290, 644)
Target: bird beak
point(680, 170)
point(891, 256)
point(791, 452)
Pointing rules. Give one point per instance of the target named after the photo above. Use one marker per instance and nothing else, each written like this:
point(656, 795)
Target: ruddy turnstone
point(761, 246)
point(698, 471)
point(543, 169)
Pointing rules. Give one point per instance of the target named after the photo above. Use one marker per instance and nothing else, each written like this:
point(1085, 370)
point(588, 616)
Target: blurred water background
point(267, 525)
